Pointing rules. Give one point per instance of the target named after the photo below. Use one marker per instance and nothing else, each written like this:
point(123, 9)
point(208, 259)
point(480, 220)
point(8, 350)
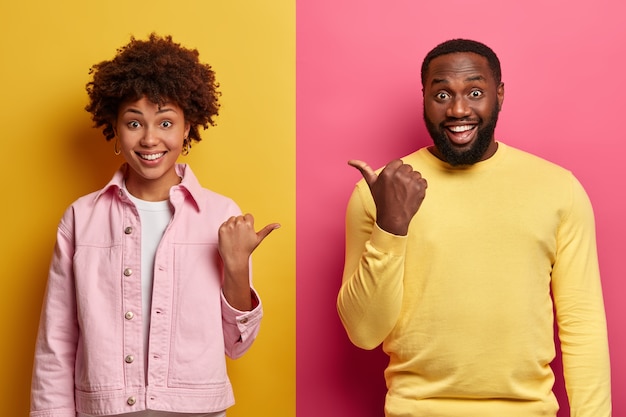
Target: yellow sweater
point(463, 303)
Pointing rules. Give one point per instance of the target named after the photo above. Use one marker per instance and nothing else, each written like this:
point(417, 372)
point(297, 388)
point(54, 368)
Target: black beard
point(470, 156)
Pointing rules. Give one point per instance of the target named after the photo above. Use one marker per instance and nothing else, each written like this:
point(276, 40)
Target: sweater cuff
point(386, 242)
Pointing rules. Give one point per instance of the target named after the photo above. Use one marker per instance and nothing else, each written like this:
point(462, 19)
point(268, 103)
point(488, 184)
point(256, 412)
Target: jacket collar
point(189, 184)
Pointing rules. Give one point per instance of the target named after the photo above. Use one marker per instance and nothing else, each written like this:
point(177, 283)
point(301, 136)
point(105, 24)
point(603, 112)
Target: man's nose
point(459, 108)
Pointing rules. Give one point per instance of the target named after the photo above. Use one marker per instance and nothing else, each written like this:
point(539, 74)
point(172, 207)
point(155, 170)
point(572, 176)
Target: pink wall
point(358, 96)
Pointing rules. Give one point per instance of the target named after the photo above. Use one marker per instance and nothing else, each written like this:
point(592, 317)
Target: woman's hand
point(237, 240)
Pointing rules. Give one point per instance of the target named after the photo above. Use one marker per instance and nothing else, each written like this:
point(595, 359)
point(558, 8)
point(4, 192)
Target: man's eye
point(442, 96)
point(476, 93)
point(166, 123)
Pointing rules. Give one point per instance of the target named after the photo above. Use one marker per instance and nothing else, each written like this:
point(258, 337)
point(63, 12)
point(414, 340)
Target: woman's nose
point(149, 138)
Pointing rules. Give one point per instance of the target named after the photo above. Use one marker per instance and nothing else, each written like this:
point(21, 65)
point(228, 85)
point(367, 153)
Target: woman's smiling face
point(151, 139)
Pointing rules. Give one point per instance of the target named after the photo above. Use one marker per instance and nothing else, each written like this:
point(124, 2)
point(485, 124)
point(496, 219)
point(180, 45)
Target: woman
point(149, 283)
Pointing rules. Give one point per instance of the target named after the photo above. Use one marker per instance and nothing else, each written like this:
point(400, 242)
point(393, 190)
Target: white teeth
point(152, 156)
point(459, 129)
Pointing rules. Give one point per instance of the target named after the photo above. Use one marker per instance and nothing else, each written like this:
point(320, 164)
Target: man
point(456, 276)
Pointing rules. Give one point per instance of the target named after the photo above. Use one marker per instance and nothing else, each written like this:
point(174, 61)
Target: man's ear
point(500, 94)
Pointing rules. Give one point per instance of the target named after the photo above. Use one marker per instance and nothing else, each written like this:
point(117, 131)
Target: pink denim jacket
point(89, 353)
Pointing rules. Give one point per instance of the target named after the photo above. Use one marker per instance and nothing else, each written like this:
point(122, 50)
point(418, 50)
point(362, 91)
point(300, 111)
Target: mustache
point(461, 120)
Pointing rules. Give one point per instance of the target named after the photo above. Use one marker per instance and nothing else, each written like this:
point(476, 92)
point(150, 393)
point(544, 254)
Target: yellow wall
point(52, 155)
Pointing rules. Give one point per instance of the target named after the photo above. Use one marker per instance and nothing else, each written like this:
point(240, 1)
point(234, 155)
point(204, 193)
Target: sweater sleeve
point(580, 313)
point(370, 297)
point(52, 391)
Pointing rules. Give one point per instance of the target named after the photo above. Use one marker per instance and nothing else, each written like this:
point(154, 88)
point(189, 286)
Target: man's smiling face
point(461, 106)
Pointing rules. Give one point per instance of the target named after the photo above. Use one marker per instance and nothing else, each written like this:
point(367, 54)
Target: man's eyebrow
point(476, 78)
point(470, 78)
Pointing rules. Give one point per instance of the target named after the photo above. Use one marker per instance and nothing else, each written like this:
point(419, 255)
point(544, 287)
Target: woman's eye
point(166, 123)
point(133, 124)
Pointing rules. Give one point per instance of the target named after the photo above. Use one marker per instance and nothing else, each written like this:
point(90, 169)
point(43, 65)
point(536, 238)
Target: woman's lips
point(150, 156)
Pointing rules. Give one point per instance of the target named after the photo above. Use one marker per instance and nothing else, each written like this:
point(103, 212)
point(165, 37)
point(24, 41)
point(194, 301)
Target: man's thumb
point(367, 171)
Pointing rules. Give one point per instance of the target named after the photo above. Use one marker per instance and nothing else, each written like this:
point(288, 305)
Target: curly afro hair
point(161, 70)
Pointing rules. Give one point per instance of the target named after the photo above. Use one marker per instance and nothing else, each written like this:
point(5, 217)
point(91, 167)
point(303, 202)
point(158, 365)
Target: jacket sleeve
point(580, 313)
point(370, 297)
point(240, 327)
point(52, 391)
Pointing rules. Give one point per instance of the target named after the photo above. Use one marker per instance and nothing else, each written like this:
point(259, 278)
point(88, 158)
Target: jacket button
point(128, 272)
point(244, 320)
point(128, 230)
point(129, 315)
point(129, 359)
point(131, 401)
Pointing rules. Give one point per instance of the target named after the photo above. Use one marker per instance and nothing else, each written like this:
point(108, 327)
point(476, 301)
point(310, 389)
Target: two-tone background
point(307, 85)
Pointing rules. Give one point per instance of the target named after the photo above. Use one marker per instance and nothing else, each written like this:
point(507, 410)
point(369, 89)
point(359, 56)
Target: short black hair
point(464, 45)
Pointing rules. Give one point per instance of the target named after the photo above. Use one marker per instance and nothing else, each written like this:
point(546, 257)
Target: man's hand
point(398, 192)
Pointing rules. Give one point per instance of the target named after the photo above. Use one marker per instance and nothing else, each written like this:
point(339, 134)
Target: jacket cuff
point(243, 320)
